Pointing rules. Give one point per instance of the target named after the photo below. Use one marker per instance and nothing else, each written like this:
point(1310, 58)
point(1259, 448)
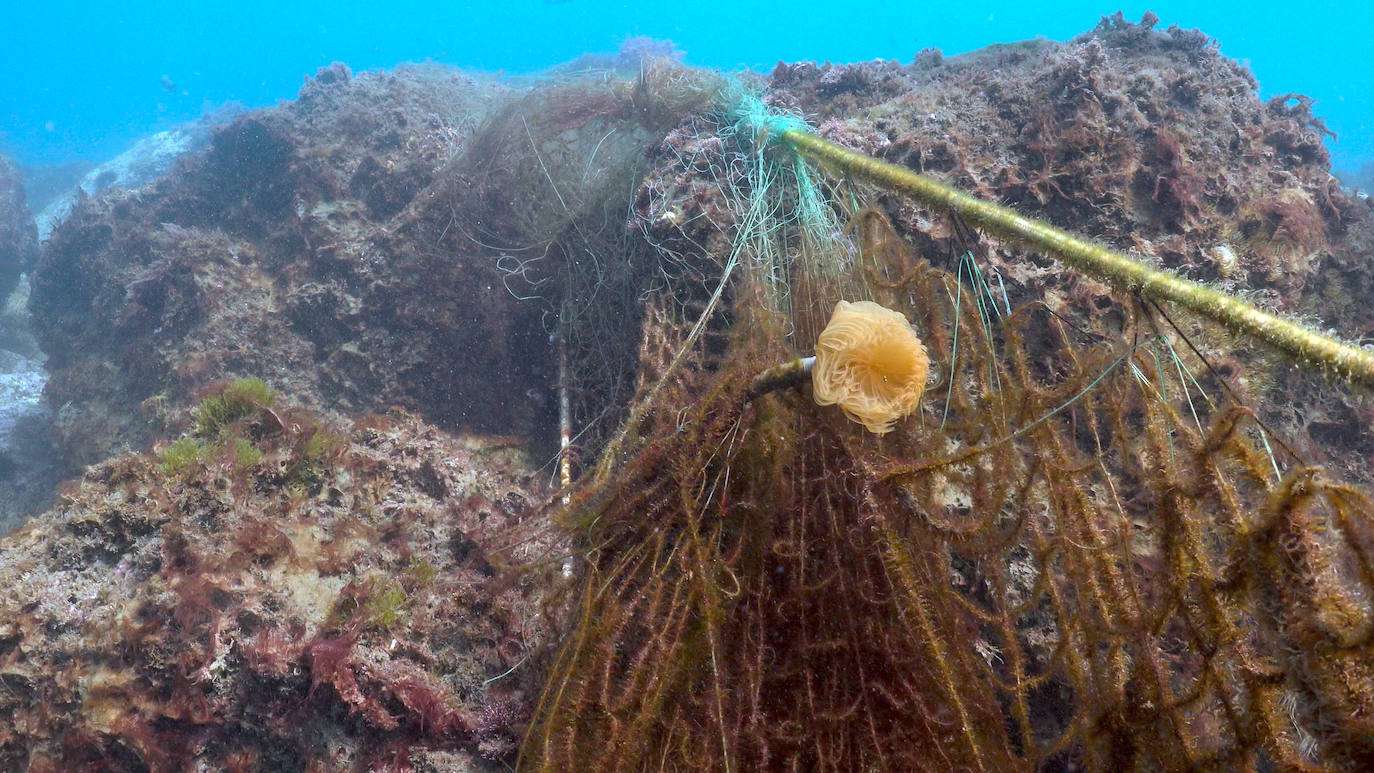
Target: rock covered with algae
point(279, 251)
point(247, 614)
point(1149, 140)
point(281, 593)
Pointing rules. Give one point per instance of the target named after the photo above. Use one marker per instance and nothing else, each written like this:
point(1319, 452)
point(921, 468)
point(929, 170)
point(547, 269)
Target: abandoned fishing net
point(540, 197)
point(1080, 549)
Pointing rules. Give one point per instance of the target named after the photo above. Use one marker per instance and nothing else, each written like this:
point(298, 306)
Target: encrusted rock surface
point(330, 600)
point(246, 617)
point(28, 467)
point(142, 164)
point(18, 234)
point(275, 254)
point(1148, 140)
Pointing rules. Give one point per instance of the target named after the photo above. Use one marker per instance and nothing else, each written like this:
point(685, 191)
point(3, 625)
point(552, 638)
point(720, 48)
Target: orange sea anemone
point(870, 363)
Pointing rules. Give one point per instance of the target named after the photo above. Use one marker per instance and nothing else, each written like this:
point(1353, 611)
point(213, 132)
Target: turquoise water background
point(82, 80)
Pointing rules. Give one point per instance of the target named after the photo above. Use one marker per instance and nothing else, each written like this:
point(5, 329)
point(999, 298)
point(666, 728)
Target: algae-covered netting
point(541, 195)
point(1081, 551)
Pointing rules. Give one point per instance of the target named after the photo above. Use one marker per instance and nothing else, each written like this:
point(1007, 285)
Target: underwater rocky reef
point(306, 383)
point(274, 592)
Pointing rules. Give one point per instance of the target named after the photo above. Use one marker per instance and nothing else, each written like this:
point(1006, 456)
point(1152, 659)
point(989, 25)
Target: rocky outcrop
point(1146, 139)
point(29, 468)
point(18, 234)
point(315, 584)
point(276, 254)
point(145, 161)
point(277, 593)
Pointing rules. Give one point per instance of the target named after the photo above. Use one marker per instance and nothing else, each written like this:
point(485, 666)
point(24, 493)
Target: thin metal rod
point(564, 418)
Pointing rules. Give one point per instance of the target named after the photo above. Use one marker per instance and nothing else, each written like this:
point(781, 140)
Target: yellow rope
point(1345, 361)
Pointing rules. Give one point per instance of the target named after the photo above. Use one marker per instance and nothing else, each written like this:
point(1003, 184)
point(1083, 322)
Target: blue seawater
point(83, 80)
